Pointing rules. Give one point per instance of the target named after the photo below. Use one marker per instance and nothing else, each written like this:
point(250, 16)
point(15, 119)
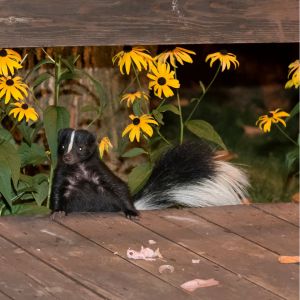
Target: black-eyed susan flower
point(176, 54)
point(273, 116)
point(131, 97)
point(12, 87)
point(9, 61)
point(140, 124)
point(132, 55)
point(104, 146)
point(294, 75)
point(162, 79)
point(225, 58)
point(23, 110)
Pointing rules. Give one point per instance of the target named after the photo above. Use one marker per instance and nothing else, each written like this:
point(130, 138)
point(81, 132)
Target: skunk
point(82, 182)
point(186, 175)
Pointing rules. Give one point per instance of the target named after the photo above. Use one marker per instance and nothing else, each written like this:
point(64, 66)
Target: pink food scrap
point(194, 284)
point(144, 253)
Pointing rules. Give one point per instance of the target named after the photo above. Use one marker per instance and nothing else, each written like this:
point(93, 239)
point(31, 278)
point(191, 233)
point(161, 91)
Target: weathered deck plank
point(25, 277)
point(117, 235)
point(227, 249)
point(106, 274)
point(255, 225)
point(84, 256)
point(285, 211)
point(103, 22)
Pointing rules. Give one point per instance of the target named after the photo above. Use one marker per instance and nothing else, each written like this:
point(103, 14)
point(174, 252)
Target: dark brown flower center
point(136, 121)
point(24, 106)
point(224, 52)
point(3, 52)
point(127, 49)
point(9, 82)
point(161, 81)
point(270, 115)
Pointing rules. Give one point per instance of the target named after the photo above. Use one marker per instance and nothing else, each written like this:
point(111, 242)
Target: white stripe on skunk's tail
point(227, 185)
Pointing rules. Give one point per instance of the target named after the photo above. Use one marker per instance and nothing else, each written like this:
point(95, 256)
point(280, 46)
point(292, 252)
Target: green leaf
point(69, 64)
point(26, 209)
point(204, 130)
point(29, 133)
point(5, 135)
point(31, 155)
point(169, 107)
point(89, 108)
point(5, 182)
point(41, 186)
point(134, 152)
point(9, 157)
point(136, 107)
point(293, 112)
point(38, 65)
point(55, 118)
point(159, 150)
point(40, 79)
point(292, 158)
point(139, 176)
point(68, 75)
point(202, 87)
point(158, 116)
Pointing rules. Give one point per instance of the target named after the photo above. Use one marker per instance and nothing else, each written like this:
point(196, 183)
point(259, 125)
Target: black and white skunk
point(82, 182)
point(187, 175)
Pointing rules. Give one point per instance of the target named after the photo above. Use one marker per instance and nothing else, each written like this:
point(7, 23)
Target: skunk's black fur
point(186, 175)
point(82, 182)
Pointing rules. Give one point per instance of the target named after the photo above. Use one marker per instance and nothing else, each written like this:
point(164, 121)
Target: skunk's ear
point(62, 134)
point(92, 138)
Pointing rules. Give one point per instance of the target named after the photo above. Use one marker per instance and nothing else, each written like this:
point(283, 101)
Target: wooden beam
point(44, 23)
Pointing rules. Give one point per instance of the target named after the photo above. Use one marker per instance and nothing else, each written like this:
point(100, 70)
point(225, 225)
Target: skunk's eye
point(62, 147)
point(80, 149)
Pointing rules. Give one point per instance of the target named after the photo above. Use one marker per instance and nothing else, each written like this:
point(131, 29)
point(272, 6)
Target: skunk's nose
point(67, 157)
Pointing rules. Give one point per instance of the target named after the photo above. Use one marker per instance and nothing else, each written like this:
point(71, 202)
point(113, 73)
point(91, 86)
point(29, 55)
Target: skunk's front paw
point(57, 214)
point(130, 213)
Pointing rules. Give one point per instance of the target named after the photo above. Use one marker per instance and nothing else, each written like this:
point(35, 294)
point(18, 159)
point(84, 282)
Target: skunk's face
point(75, 146)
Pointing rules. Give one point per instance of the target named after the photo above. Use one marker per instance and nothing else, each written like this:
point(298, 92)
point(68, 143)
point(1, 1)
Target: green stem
point(289, 138)
point(180, 111)
point(163, 138)
point(48, 55)
point(129, 85)
point(24, 58)
point(203, 94)
point(50, 185)
point(140, 86)
point(161, 104)
point(93, 121)
point(56, 83)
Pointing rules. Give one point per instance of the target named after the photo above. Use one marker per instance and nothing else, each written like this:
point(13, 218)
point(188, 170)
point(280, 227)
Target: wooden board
point(83, 256)
point(286, 211)
point(25, 277)
point(108, 275)
point(264, 229)
point(26, 23)
point(113, 235)
point(226, 249)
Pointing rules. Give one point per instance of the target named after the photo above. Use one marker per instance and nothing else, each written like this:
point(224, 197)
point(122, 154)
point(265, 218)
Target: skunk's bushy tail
point(188, 175)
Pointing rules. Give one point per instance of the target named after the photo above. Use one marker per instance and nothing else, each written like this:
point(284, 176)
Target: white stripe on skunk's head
point(70, 146)
point(75, 146)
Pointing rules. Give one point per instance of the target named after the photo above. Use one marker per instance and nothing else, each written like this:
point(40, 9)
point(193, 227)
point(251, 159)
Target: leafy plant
point(28, 147)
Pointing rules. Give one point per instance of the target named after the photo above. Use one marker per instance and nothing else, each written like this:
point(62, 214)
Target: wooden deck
point(84, 256)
